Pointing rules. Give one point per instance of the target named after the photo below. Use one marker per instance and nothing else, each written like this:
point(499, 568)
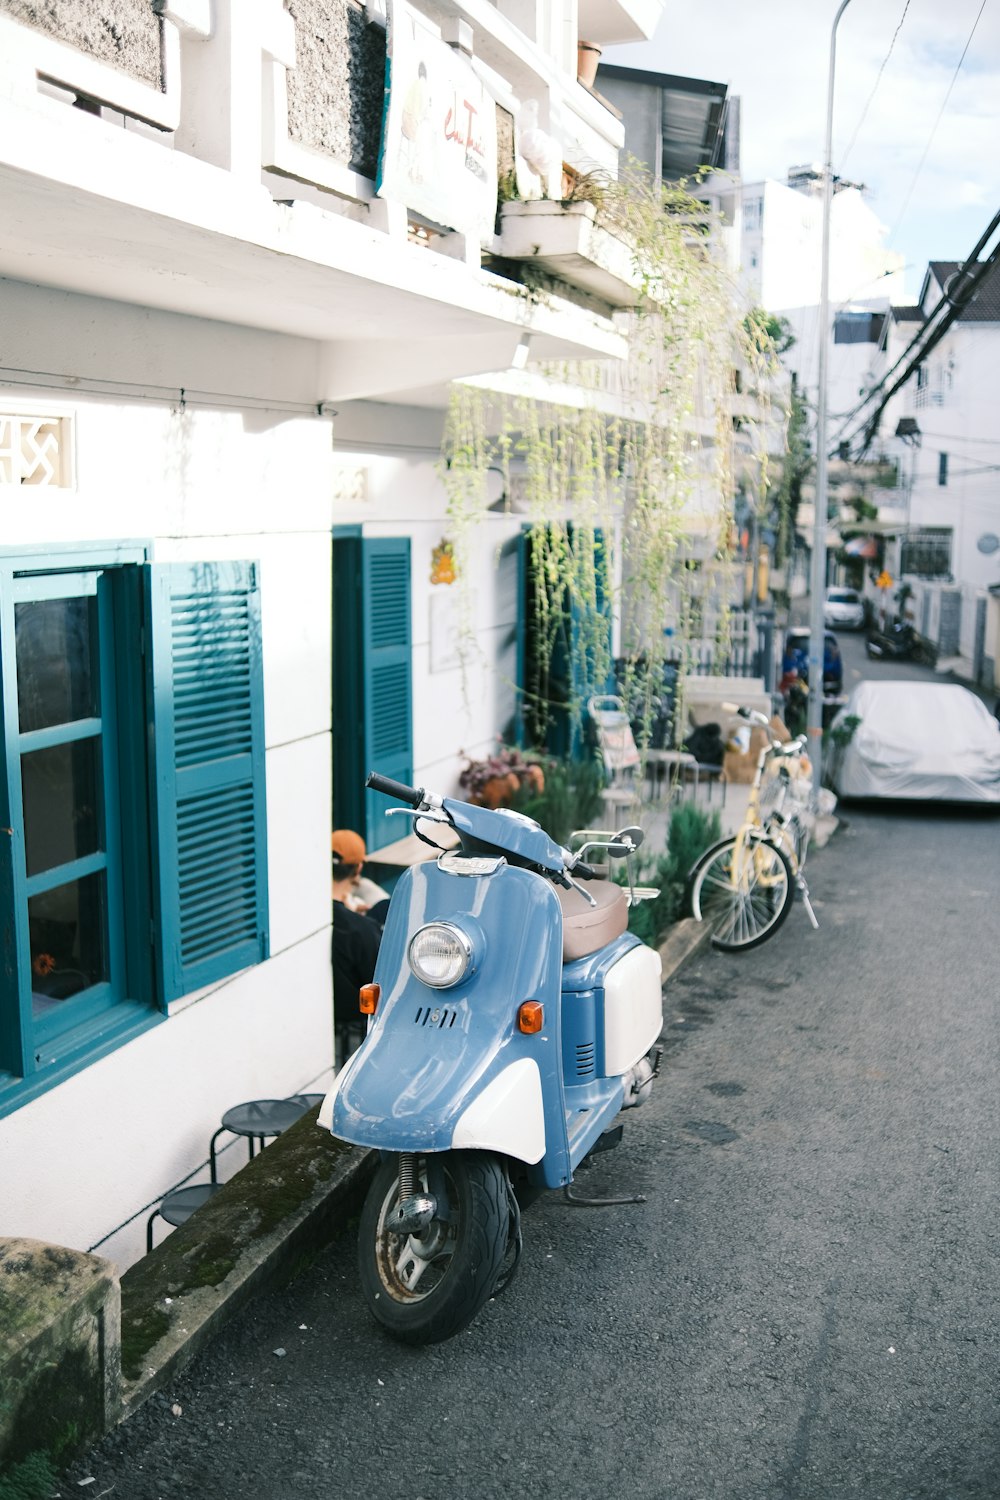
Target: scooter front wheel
point(427, 1285)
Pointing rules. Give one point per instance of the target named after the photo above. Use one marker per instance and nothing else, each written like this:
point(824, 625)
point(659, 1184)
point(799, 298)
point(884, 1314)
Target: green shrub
point(571, 799)
point(690, 833)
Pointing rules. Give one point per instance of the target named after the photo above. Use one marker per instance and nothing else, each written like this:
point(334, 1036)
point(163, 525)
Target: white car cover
point(922, 740)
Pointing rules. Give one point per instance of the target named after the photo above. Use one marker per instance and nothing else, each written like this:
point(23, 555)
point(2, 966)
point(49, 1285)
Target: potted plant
point(588, 55)
point(496, 780)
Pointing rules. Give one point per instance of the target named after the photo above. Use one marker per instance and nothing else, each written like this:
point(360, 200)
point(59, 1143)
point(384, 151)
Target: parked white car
point(919, 740)
point(843, 609)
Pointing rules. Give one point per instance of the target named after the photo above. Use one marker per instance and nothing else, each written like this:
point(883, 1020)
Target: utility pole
point(818, 576)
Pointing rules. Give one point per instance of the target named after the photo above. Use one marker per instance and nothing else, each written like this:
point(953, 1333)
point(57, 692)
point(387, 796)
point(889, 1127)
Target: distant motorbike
point(897, 642)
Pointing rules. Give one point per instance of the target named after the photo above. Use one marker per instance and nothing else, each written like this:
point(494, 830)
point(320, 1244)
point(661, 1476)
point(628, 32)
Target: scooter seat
point(587, 928)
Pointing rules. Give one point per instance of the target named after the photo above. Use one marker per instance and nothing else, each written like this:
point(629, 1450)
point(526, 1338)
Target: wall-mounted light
point(520, 356)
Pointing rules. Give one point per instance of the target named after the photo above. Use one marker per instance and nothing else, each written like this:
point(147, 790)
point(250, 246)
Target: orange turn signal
point(530, 1017)
point(368, 998)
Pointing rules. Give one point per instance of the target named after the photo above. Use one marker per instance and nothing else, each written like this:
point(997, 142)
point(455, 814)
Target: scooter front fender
point(442, 1069)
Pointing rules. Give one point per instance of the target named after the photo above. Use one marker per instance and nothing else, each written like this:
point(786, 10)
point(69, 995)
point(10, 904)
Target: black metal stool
point(178, 1206)
point(311, 1100)
point(257, 1119)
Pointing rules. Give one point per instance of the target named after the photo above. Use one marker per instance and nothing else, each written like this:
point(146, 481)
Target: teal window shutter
point(387, 641)
point(208, 805)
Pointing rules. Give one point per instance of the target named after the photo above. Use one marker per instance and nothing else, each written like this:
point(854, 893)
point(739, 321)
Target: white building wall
point(196, 482)
point(458, 710)
point(782, 238)
point(955, 411)
point(953, 402)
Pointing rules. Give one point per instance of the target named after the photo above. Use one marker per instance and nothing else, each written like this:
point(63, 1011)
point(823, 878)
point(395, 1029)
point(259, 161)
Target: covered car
point(919, 740)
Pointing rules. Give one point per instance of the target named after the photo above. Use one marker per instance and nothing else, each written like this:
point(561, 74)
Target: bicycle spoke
point(742, 892)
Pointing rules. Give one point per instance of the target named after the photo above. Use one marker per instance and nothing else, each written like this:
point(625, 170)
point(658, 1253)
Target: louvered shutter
point(387, 682)
point(204, 666)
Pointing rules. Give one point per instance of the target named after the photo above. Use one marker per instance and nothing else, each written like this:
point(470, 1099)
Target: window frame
point(107, 861)
point(32, 1060)
point(138, 705)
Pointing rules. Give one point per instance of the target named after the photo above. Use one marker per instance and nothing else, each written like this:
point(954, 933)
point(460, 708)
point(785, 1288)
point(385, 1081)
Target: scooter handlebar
point(413, 796)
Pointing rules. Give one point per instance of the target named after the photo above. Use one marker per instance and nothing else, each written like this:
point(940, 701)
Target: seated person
point(356, 937)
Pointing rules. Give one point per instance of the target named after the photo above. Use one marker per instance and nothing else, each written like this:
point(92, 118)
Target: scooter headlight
point(439, 954)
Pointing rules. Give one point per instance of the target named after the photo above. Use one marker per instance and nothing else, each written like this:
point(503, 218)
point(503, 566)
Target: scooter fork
point(414, 1209)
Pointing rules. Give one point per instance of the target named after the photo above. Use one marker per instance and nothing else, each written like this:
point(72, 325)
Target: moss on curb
point(294, 1195)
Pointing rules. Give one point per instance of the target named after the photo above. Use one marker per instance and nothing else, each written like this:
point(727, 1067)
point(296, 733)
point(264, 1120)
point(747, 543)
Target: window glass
point(61, 808)
point(67, 929)
point(56, 683)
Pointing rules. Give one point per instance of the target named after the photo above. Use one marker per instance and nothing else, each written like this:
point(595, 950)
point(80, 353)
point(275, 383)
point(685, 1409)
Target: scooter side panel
point(430, 1053)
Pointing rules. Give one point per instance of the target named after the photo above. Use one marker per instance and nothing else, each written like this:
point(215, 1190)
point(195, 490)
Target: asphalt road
point(806, 1306)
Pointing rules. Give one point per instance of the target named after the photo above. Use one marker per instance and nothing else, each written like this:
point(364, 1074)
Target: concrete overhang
point(608, 21)
point(123, 218)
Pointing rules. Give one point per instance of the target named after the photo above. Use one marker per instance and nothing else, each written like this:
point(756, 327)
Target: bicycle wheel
point(743, 891)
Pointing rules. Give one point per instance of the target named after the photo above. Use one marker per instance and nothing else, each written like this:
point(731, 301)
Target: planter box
point(568, 242)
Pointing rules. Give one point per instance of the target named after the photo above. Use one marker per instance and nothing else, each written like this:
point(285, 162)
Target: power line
point(956, 295)
point(959, 437)
point(878, 80)
point(920, 166)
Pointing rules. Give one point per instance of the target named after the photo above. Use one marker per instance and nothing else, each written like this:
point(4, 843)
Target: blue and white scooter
point(511, 1018)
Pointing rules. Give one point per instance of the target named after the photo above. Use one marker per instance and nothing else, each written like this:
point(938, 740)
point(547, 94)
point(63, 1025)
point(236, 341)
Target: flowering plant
point(494, 780)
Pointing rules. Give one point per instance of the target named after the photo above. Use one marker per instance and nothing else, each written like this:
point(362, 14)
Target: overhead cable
point(920, 165)
point(878, 80)
point(955, 297)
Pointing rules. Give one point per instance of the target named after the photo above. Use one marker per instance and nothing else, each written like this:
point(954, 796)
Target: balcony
point(222, 169)
point(567, 241)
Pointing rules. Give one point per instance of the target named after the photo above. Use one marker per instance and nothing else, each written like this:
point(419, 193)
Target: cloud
point(922, 173)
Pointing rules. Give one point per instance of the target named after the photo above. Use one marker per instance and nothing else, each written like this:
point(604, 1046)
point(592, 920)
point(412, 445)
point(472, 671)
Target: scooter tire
point(426, 1288)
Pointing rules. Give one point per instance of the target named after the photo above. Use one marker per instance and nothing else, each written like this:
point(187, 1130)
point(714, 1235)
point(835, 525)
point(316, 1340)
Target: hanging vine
point(627, 487)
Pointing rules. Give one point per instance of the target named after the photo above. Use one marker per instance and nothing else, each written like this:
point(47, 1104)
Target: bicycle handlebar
point(789, 747)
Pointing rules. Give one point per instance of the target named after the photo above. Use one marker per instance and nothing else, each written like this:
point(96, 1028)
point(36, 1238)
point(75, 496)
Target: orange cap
point(349, 847)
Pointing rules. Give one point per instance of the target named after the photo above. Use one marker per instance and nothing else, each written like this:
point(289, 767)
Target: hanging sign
point(439, 129)
point(884, 580)
point(443, 563)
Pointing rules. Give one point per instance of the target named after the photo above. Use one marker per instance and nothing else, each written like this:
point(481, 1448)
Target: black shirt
point(353, 953)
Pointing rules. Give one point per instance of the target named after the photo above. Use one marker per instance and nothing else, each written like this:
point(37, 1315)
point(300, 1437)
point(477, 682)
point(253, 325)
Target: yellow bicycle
point(744, 886)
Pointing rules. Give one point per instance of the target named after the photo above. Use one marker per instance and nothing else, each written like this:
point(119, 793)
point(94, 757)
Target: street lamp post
point(818, 575)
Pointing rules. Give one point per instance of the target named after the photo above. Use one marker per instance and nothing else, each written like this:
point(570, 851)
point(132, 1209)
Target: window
point(35, 450)
point(132, 793)
point(858, 327)
point(372, 665)
point(927, 553)
point(942, 468)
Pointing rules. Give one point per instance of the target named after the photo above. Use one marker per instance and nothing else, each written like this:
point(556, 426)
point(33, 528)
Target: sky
point(924, 141)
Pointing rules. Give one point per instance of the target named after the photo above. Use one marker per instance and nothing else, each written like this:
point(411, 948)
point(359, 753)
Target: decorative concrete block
point(60, 1349)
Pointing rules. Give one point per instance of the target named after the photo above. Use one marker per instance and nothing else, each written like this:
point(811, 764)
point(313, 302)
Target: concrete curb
point(686, 938)
point(273, 1216)
point(279, 1210)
